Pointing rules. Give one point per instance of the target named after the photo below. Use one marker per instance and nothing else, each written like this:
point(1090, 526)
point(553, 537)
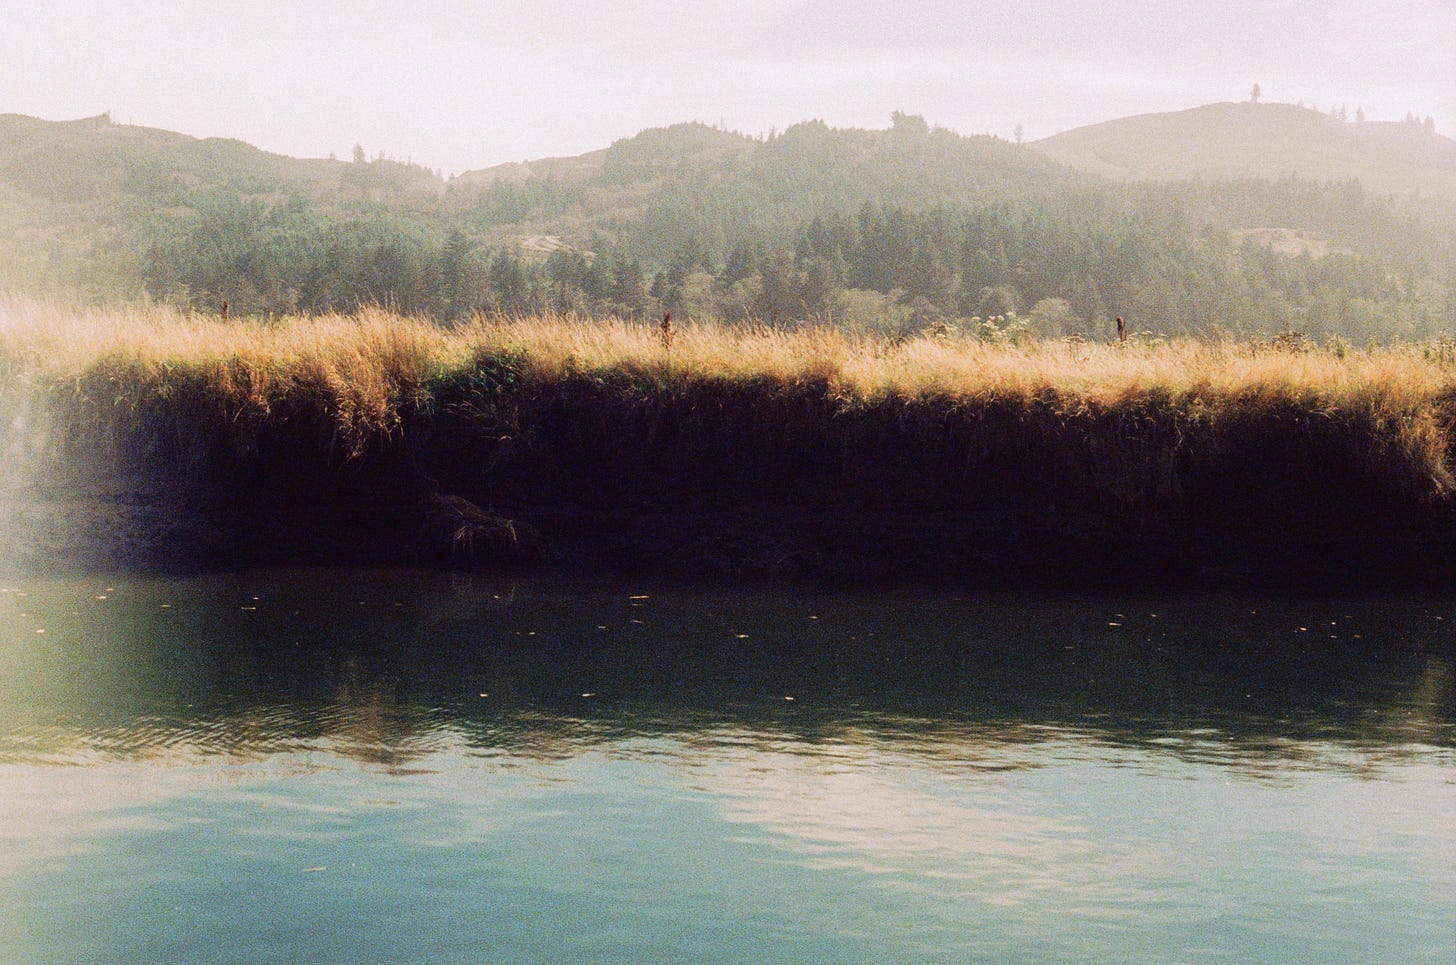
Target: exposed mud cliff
point(766, 478)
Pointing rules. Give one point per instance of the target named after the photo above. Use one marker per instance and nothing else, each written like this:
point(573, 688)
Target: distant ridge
point(1261, 141)
point(577, 167)
point(653, 148)
point(889, 229)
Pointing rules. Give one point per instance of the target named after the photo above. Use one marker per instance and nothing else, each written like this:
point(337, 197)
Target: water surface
point(364, 766)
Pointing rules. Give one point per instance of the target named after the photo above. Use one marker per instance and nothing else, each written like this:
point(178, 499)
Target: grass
point(1184, 441)
point(376, 353)
point(362, 369)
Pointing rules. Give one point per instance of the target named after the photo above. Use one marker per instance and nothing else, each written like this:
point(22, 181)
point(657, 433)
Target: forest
point(895, 232)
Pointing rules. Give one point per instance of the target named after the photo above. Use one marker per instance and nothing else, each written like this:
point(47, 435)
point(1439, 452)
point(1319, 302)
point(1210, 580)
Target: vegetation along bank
point(155, 438)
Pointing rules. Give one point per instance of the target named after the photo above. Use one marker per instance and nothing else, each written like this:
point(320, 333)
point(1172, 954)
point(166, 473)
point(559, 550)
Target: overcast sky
point(462, 84)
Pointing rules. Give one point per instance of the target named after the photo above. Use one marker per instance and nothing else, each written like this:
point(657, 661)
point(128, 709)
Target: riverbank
point(155, 439)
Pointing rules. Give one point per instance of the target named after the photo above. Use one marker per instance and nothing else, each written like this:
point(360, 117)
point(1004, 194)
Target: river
point(345, 765)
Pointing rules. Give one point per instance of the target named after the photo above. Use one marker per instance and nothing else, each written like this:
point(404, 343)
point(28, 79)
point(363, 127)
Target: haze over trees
point(898, 230)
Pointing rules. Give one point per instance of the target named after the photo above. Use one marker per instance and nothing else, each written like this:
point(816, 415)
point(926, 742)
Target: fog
point(462, 85)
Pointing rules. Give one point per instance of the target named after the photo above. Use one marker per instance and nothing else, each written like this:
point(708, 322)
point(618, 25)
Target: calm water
point(344, 766)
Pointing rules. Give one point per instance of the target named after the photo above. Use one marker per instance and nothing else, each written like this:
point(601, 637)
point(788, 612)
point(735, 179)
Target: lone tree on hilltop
point(914, 124)
point(1254, 94)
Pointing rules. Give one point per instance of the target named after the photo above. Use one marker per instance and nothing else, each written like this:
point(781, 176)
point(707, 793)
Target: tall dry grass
point(372, 356)
point(360, 368)
point(364, 369)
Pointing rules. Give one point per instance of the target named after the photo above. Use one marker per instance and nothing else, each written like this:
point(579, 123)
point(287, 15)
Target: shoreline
point(147, 536)
point(564, 446)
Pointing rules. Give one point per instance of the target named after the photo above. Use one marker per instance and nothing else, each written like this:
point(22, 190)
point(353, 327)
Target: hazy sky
point(461, 84)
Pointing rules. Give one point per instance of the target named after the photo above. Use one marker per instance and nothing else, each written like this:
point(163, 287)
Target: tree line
point(897, 231)
point(1062, 261)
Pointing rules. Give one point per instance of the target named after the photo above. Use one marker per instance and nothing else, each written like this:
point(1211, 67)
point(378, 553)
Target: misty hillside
point(90, 159)
point(658, 188)
point(77, 198)
point(897, 229)
point(1263, 141)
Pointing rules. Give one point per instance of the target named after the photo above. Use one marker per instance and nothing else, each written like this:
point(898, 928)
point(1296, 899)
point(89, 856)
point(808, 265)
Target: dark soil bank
point(747, 480)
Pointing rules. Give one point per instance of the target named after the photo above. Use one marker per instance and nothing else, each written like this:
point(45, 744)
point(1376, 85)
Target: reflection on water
point(525, 770)
point(387, 668)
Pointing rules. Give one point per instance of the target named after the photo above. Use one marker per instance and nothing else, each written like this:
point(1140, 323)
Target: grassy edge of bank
point(740, 450)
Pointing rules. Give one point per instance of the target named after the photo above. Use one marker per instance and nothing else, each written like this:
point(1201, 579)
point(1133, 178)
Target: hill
point(1262, 141)
point(575, 168)
point(94, 159)
point(894, 230)
point(654, 191)
point(79, 200)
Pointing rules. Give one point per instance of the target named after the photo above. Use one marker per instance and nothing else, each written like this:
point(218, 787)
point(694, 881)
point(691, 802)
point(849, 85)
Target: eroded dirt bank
point(766, 479)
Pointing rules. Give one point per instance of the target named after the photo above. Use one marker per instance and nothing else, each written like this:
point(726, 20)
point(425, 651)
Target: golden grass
point(374, 355)
point(362, 368)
